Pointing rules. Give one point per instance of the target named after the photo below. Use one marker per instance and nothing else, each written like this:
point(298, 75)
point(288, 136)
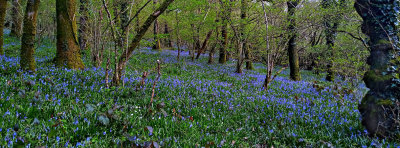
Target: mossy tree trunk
point(244, 9)
point(124, 22)
point(68, 53)
point(126, 54)
point(3, 8)
point(27, 60)
point(168, 41)
point(225, 12)
point(84, 25)
point(16, 18)
point(383, 76)
point(331, 23)
point(292, 48)
point(156, 29)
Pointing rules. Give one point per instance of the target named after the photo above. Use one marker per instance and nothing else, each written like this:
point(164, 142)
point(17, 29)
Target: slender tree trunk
point(156, 28)
point(226, 12)
point(168, 41)
point(27, 60)
point(243, 16)
point(3, 8)
point(211, 54)
point(292, 48)
point(126, 54)
point(378, 108)
point(331, 24)
point(68, 54)
point(203, 47)
point(84, 26)
point(16, 19)
point(124, 22)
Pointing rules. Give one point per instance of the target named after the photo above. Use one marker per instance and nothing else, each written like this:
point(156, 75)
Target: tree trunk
point(27, 60)
point(126, 54)
point(224, 41)
point(124, 22)
point(211, 54)
point(243, 17)
point(292, 49)
point(226, 13)
point(16, 19)
point(157, 42)
point(203, 47)
point(84, 26)
point(378, 108)
point(168, 41)
point(331, 24)
point(3, 8)
point(68, 54)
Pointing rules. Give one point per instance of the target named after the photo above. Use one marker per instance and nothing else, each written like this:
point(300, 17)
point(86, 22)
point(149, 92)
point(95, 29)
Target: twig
point(155, 82)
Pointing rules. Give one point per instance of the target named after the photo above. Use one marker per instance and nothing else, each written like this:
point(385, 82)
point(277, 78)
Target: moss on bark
point(292, 48)
point(27, 60)
point(68, 53)
point(16, 18)
point(3, 8)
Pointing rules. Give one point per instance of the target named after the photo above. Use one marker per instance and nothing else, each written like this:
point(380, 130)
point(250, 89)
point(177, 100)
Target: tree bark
point(156, 28)
point(124, 22)
point(68, 53)
point(27, 60)
point(16, 19)
point(226, 13)
point(243, 16)
point(292, 48)
point(203, 47)
point(168, 41)
point(126, 54)
point(84, 25)
point(3, 8)
point(378, 108)
point(331, 24)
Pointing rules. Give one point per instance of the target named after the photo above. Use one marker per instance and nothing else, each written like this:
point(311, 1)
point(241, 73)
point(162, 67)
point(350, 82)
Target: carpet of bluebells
point(195, 104)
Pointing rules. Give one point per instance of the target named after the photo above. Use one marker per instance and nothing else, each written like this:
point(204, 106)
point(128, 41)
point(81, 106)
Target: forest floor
point(195, 104)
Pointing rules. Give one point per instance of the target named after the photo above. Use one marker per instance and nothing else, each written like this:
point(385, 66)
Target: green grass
point(196, 104)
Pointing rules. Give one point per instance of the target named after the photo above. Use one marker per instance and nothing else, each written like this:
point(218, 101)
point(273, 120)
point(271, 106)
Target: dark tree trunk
point(156, 28)
point(211, 54)
point(84, 26)
point(124, 22)
point(203, 47)
point(224, 41)
point(27, 60)
point(383, 76)
point(16, 19)
point(292, 48)
point(68, 53)
point(126, 54)
point(226, 12)
point(243, 16)
point(168, 41)
point(3, 8)
point(331, 23)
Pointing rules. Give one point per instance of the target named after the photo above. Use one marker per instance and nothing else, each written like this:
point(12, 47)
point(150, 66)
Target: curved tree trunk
point(383, 76)
point(3, 8)
point(126, 54)
point(68, 54)
point(27, 60)
point(16, 19)
point(292, 49)
point(84, 25)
